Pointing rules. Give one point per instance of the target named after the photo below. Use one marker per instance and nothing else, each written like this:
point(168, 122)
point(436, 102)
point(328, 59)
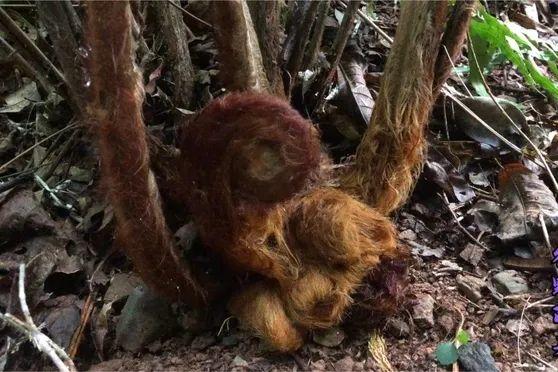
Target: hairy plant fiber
point(253, 169)
point(114, 112)
point(389, 157)
point(251, 173)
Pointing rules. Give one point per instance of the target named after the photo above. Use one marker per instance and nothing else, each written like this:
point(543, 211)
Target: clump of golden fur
point(251, 174)
point(252, 166)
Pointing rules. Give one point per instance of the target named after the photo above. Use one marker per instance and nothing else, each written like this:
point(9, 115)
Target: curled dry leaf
point(488, 111)
point(355, 95)
point(523, 196)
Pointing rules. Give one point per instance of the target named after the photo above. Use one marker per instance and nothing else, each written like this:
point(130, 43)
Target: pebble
point(509, 282)
point(476, 357)
point(238, 361)
point(330, 337)
point(146, 317)
point(423, 311)
point(345, 364)
point(470, 286)
point(398, 328)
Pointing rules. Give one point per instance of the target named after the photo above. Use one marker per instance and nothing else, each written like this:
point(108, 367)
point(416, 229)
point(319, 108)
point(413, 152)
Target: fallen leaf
point(488, 111)
point(523, 196)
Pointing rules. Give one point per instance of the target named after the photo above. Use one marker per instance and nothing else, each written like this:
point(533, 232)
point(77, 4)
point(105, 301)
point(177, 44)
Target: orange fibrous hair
point(252, 174)
point(114, 112)
point(257, 191)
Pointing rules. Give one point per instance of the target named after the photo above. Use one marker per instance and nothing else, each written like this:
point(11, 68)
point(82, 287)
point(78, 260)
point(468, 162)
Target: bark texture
point(241, 64)
point(169, 22)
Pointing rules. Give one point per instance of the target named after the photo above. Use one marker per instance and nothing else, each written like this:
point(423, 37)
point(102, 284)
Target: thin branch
point(452, 42)
point(71, 126)
point(370, 23)
point(26, 44)
point(316, 39)
point(41, 341)
point(301, 38)
point(343, 34)
point(26, 67)
point(190, 14)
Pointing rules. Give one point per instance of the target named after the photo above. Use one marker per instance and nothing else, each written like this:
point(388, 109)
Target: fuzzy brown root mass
point(253, 169)
point(251, 174)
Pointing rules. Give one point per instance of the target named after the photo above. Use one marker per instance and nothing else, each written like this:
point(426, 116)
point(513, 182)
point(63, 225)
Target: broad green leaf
point(492, 37)
point(446, 353)
point(462, 337)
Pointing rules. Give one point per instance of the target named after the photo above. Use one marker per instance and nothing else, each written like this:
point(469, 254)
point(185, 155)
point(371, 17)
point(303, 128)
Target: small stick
point(343, 34)
point(547, 239)
point(88, 307)
point(316, 39)
point(475, 240)
point(27, 44)
point(540, 360)
point(71, 126)
point(519, 330)
point(41, 341)
point(26, 66)
point(370, 23)
point(190, 14)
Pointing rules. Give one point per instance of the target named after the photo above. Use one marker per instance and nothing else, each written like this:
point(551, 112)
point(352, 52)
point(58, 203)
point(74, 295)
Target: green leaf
point(491, 37)
point(462, 337)
point(446, 353)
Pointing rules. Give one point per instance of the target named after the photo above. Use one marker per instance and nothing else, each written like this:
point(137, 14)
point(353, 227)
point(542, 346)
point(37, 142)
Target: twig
point(540, 302)
point(294, 62)
point(316, 39)
point(370, 23)
point(547, 239)
point(26, 66)
point(343, 34)
point(65, 148)
point(519, 330)
point(28, 45)
point(540, 360)
point(458, 76)
point(41, 341)
point(475, 240)
point(88, 307)
point(52, 193)
point(71, 126)
point(190, 14)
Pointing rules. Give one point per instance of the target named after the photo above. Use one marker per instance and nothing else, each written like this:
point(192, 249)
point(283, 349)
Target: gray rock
point(145, 318)
point(330, 337)
point(238, 361)
point(423, 311)
point(345, 364)
point(472, 253)
point(470, 286)
point(398, 328)
point(515, 326)
point(476, 357)
point(509, 282)
point(230, 340)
